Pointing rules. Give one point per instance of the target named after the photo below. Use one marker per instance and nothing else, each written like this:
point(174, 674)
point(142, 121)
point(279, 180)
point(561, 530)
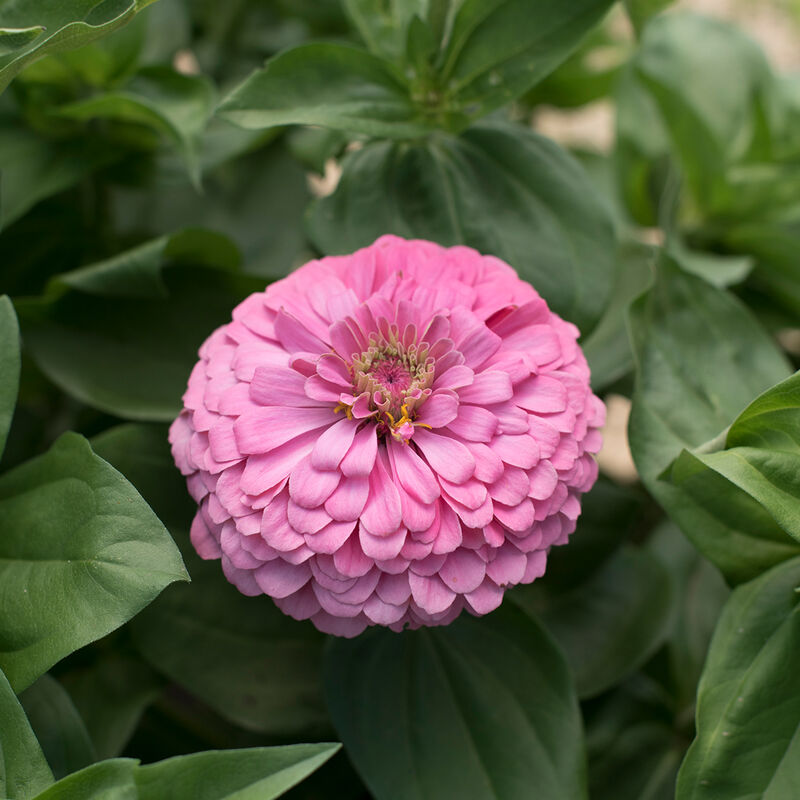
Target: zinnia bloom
point(388, 437)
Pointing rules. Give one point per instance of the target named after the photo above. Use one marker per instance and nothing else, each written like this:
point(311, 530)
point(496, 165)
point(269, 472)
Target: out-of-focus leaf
point(481, 708)
point(497, 50)
point(761, 455)
point(58, 727)
point(748, 708)
point(80, 554)
point(177, 106)
point(143, 346)
point(110, 696)
point(66, 25)
point(9, 367)
point(610, 624)
point(706, 77)
point(384, 25)
point(719, 270)
point(640, 11)
point(701, 593)
point(499, 188)
point(312, 147)
point(17, 38)
point(23, 769)
point(607, 348)
point(240, 655)
point(33, 167)
point(258, 773)
point(701, 358)
point(609, 514)
point(333, 85)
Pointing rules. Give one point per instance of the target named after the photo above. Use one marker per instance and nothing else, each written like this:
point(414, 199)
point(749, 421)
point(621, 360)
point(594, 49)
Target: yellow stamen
point(344, 407)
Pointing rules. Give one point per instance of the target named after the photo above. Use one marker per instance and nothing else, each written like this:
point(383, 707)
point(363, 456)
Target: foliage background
point(656, 657)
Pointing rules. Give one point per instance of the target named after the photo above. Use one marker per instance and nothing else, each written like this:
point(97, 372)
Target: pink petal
point(300, 605)
point(515, 518)
point(543, 480)
point(203, 541)
point(307, 520)
point(463, 571)
point(512, 487)
point(413, 473)
point(360, 457)
point(448, 457)
point(311, 487)
point(488, 387)
point(382, 613)
point(333, 444)
point(382, 548)
point(450, 534)
point(439, 409)
point(296, 337)
point(474, 424)
point(537, 562)
point(332, 368)
point(330, 538)
point(486, 598)
point(382, 514)
point(279, 386)
point(264, 429)
point(348, 500)
point(508, 566)
point(279, 579)
point(394, 589)
point(339, 626)
point(430, 593)
point(541, 393)
point(350, 559)
point(518, 451)
point(264, 471)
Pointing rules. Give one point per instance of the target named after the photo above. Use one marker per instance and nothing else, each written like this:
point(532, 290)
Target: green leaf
point(332, 85)
point(254, 774)
point(23, 769)
point(481, 708)
point(108, 780)
point(701, 358)
point(9, 367)
point(705, 76)
point(499, 188)
point(35, 167)
point(110, 695)
point(58, 726)
point(497, 50)
point(640, 11)
point(609, 625)
point(383, 25)
point(762, 455)
point(143, 345)
point(66, 26)
point(748, 711)
point(16, 38)
point(177, 106)
point(80, 554)
point(240, 655)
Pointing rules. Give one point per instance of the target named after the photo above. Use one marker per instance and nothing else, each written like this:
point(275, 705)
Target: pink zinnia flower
point(388, 437)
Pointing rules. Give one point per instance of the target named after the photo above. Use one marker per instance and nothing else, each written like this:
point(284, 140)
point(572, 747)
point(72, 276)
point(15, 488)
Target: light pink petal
point(416, 516)
point(454, 377)
point(333, 444)
point(203, 541)
point(264, 429)
point(351, 560)
point(343, 340)
point(360, 457)
point(348, 500)
point(394, 589)
point(222, 442)
point(449, 536)
point(471, 493)
point(333, 369)
point(382, 548)
point(512, 487)
point(541, 393)
point(296, 337)
point(340, 626)
point(300, 605)
point(430, 593)
point(243, 579)
point(333, 605)
point(515, 518)
point(478, 346)
point(439, 409)
point(463, 571)
point(330, 538)
point(508, 566)
point(537, 561)
point(486, 598)
point(279, 579)
point(543, 480)
point(279, 386)
point(448, 457)
point(382, 514)
point(307, 520)
point(265, 471)
point(413, 473)
point(473, 517)
point(382, 613)
point(474, 424)
point(487, 388)
point(311, 487)
point(518, 451)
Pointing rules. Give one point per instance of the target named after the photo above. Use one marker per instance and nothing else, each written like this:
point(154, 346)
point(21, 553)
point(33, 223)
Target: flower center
point(397, 378)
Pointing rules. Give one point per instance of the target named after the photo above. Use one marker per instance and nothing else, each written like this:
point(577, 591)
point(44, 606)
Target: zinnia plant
point(388, 438)
point(398, 400)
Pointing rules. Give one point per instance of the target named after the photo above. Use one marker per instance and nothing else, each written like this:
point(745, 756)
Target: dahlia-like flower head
point(388, 437)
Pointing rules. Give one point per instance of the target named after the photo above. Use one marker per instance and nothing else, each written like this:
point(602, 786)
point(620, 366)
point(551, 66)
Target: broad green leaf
point(33, 167)
point(255, 774)
point(701, 593)
point(23, 769)
point(175, 105)
point(761, 455)
point(143, 346)
point(383, 25)
point(640, 11)
point(499, 188)
point(748, 705)
point(609, 516)
point(9, 367)
point(705, 76)
point(67, 25)
point(481, 708)
point(110, 695)
point(58, 726)
point(497, 50)
point(80, 554)
point(701, 358)
point(240, 655)
point(610, 624)
point(333, 85)
point(107, 780)
point(16, 38)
